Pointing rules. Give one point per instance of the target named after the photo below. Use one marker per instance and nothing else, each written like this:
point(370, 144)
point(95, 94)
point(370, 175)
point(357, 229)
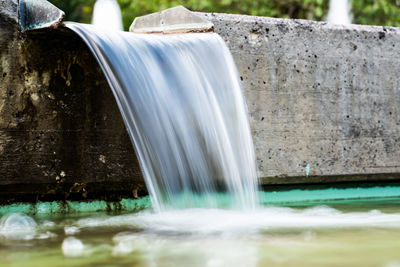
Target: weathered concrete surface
point(324, 100)
point(61, 135)
point(323, 103)
point(173, 20)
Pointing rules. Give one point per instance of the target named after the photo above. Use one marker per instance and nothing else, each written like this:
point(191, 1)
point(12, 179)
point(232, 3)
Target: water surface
point(362, 233)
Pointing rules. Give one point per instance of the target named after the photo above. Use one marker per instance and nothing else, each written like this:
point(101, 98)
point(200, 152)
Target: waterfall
point(339, 12)
point(107, 15)
point(182, 104)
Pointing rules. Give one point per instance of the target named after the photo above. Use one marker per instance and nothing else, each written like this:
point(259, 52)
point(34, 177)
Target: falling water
point(181, 101)
point(107, 15)
point(339, 12)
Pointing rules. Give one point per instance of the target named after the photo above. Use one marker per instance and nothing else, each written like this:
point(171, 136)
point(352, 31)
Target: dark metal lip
point(38, 14)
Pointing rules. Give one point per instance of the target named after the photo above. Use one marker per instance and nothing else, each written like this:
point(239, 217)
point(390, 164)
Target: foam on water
point(182, 104)
point(17, 226)
point(239, 222)
point(73, 247)
point(174, 252)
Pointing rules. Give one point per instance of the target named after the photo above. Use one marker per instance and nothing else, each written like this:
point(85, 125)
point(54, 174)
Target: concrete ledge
point(330, 179)
point(173, 20)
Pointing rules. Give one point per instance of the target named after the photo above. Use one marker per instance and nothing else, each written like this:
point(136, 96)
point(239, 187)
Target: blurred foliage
point(372, 12)
point(376, 12)
point(76, 10)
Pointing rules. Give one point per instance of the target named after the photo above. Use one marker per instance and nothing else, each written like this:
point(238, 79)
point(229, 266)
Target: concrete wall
point(323, 103)
point(324, 100)
point(61, 134)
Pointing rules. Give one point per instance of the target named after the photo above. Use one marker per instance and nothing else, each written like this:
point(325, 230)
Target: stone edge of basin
point(329, 179)
point(173, 20)
point(212, 17)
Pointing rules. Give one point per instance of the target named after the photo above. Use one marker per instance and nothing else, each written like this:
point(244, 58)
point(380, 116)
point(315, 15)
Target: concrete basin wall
point(323, 103)
point(324, 100)
point(61, 134)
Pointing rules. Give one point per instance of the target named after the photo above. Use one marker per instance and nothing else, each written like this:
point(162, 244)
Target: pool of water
point(336, 233)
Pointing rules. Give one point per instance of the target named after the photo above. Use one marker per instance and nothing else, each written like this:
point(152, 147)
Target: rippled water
point(360, 233)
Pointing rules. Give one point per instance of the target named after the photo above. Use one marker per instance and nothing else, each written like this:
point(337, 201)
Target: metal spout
point(38, 14)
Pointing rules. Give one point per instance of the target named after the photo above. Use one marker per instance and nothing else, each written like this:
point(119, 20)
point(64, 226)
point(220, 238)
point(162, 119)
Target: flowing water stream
point(181, 101)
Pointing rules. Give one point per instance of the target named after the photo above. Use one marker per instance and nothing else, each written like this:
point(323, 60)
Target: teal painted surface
point(289, 197)
point(329, 194)
point(129, 205)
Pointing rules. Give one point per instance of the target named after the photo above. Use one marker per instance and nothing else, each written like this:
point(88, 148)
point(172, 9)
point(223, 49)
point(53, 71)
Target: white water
point(180, 97)
point(17, 226)
point(107, 15)
point(73, 247)
point(339, 12)
point(200, 223)
point(211, 222)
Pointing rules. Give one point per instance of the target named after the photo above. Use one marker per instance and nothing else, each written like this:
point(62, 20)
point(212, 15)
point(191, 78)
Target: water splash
point(339, 12)
point(212, 222)
point(107, 15)
point(181, 101)
point(17, 226)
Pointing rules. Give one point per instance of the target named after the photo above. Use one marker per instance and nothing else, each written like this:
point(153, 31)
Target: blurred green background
point(372, 12)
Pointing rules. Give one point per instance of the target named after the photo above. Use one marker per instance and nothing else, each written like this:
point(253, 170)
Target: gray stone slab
point(173, 20)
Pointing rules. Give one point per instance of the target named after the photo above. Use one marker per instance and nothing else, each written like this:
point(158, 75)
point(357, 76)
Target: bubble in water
point(72, 247)
point(123, 244)
point(71, 230)
point(46, 235)
point(47, 223)
point(17, 226)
